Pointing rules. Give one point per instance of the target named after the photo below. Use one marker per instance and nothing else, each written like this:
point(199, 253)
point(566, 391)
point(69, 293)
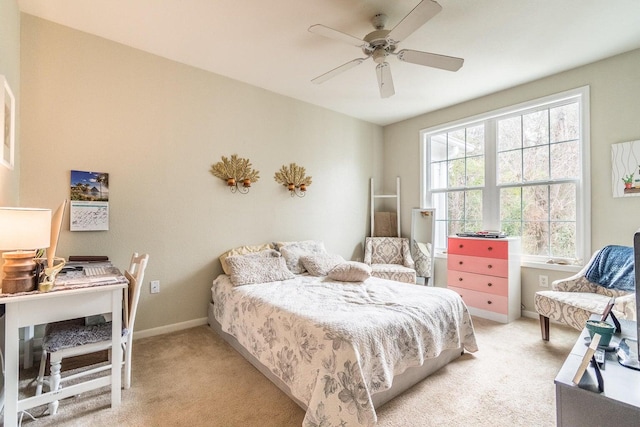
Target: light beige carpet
point(193, 378)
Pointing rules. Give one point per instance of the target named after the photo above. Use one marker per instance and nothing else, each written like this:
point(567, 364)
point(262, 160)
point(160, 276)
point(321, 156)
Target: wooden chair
point(73, 338)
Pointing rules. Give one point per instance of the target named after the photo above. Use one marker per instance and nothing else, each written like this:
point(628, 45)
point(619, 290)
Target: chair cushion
point(394, 272)
point(61, 335)
point(571, 308)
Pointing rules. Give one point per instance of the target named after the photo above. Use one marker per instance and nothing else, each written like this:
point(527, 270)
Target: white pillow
point(242, 250)
point(320, 264)
point(253, 268)
point(350, 271)
point(293, 251)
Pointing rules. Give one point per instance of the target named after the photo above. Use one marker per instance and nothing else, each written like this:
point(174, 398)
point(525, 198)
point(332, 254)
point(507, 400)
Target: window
point(523, 170)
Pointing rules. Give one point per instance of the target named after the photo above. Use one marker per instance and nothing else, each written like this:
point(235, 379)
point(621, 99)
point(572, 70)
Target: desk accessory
point(24, 230)
point(604, 329)
point(608, 313)
point(586, 359)
point(53, 264)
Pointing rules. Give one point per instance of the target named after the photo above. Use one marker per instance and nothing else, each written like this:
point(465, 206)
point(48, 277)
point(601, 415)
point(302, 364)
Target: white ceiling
point(265, 43)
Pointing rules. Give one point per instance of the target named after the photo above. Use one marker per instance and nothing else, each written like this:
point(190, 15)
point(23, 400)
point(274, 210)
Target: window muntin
point(522, 171)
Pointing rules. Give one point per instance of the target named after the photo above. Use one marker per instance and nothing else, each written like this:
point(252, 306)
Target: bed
point(339, 348)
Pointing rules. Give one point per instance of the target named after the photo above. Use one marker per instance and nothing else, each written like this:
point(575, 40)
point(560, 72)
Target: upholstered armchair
point(390, 258)
point(573, 300)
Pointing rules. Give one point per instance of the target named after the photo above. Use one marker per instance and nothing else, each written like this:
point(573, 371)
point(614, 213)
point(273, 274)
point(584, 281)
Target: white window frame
point(583, 199)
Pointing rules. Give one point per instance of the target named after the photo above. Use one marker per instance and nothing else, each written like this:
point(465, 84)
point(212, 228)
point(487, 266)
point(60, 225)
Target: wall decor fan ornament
point(236, 172)
point(294, 178)
point(381, 43)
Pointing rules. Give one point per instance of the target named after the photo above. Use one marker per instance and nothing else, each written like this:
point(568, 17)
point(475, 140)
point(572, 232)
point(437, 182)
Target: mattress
point(338, 348)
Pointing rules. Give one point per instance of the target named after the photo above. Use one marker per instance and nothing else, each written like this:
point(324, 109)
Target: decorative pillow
point(248, 269)
point(293, 251)
point(242, 250)
point(320, 264)
point(350, 271)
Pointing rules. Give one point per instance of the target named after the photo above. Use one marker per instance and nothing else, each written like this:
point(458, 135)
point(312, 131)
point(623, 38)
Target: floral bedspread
point(336, 344)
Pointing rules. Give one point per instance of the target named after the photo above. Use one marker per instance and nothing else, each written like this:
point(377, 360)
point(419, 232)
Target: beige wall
point(615, 91)
point(10, 68)
point(156, 127)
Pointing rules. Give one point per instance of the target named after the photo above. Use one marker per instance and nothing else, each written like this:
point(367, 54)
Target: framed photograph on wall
point(7, 123)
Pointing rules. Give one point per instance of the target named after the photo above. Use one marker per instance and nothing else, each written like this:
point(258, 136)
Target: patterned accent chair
point(573, 300)
point(390, 258)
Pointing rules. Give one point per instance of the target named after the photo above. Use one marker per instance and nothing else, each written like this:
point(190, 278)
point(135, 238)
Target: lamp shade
point(24, 228)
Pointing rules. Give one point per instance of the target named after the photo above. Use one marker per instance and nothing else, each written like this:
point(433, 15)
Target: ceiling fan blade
point(344, 67)
point(336, 35)
point(420, 14)
point(449, 63)
point(385, 82)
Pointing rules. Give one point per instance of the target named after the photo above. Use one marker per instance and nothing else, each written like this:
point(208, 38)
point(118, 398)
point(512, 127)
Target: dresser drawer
point(478, 282)
point(490, 248)
point(480, 265)
point(496, 303)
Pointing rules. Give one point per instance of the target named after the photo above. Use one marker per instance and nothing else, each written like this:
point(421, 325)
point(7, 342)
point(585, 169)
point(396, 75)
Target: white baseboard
point(169, 328)
point(530, 314)
point(37, 341)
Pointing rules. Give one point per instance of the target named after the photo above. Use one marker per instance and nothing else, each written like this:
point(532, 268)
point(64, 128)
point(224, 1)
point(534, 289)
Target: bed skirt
point(401, 382)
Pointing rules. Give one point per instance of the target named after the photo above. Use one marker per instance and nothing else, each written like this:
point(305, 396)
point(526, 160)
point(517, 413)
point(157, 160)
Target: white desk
point(61, 304)
point(618, 404)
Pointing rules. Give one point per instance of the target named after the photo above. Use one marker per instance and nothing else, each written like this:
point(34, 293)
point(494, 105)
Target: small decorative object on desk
point(47, 272)
point(604, 329)
point(586, 358)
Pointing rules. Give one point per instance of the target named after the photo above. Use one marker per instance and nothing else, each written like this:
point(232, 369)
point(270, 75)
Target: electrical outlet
point(155, 286)
point(543, 281)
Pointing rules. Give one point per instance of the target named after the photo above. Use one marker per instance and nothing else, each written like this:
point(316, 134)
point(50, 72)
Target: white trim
point(583, 187)
point(169, 328)
point(7, 100)
point(583, 213)
point(549, 99)
point(570, 268)
point(530, 314)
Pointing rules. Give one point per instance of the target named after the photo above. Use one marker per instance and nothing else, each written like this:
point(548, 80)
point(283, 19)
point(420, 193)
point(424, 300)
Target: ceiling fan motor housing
point(377, 45)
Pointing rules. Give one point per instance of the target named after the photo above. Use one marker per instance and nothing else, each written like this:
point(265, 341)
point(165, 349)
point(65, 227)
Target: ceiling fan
point(381, 43)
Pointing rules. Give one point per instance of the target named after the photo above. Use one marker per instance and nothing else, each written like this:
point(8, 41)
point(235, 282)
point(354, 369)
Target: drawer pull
point(461, 246)
point(489, 284)
point(489, 302)
point(459, 279)
point(490, 248)
point(460, 262)
point(489, 266)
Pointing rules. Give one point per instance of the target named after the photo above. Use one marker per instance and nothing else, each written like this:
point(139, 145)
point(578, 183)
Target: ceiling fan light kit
point(381, 43)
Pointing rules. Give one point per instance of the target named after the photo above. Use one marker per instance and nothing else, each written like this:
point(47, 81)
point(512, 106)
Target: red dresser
point(486, 273)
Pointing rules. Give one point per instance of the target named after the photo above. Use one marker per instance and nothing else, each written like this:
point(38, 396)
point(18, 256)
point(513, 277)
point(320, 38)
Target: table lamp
point(22, 231)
